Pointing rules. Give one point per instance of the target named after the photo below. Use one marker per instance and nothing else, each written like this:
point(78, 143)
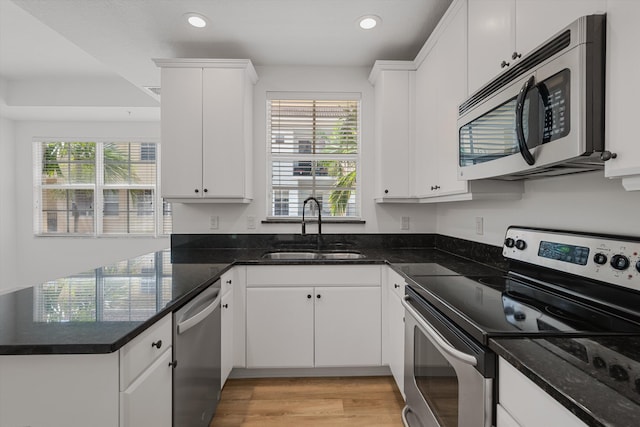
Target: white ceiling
point(59, 40)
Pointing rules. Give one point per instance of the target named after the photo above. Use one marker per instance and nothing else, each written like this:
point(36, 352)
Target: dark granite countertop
point(99, 311)
point(587, 391)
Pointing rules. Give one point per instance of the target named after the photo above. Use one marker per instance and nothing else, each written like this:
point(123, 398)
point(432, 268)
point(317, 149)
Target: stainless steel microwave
point(544, 115)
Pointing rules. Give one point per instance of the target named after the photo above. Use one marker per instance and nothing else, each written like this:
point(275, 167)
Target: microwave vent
point(527, 63)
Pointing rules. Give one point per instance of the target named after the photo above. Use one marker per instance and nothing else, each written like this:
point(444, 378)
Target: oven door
point(443, 385)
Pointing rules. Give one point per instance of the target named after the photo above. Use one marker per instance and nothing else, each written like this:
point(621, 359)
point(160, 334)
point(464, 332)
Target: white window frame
point(330, 96)
point(98, 187)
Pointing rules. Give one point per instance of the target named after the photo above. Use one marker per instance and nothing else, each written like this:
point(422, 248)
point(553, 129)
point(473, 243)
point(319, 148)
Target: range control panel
point(614, 260)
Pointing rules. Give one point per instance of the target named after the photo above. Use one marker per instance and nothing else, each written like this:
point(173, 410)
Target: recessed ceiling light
point(196, 20)
point(368, 22)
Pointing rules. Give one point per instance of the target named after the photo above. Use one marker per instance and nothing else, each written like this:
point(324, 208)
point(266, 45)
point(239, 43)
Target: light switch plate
point(251, 222)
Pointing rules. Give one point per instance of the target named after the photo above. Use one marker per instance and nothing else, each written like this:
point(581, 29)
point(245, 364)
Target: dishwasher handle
point(184, 325)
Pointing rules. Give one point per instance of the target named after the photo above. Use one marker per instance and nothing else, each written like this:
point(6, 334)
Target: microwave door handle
point(522, 144)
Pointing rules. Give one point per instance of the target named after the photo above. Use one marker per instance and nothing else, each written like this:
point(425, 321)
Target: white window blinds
point(98, 188)
point(314, 151)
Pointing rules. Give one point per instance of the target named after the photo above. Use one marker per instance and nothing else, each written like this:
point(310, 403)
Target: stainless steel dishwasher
point(196, 374)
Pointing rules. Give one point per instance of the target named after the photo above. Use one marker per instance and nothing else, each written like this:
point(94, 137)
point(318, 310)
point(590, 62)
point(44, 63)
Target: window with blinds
point(98, 188)
point(314, 151)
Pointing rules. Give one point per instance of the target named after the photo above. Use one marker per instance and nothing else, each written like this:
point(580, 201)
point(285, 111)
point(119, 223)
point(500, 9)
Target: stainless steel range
point(559, 285)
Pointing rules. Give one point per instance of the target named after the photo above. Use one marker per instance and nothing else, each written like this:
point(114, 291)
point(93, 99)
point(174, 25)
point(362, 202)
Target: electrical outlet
point(251, 222)
point(213, 222)
point(479, 225)
point(405, 223)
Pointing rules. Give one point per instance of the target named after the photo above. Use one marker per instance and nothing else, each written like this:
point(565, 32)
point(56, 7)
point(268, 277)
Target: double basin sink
point(313, 255)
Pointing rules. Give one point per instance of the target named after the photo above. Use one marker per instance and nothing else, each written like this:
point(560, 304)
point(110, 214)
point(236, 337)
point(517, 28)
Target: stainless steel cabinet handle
point(436, 339)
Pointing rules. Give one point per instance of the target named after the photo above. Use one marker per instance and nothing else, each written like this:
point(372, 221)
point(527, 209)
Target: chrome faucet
point(304, 230)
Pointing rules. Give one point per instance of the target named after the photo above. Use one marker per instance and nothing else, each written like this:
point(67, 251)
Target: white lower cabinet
point(147, 401)
point(130, 387)
point(280, 327)
point(394, 324)
point(59, 390)
point(146, 377)
point(313, 316)
point(227, 306)
point(347, 326)
point(523, 404)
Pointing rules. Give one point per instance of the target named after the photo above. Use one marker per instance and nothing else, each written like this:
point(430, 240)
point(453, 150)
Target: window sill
point(311, 221)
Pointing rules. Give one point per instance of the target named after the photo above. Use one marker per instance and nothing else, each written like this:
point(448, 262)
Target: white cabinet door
point(280, 327)
point(491, 39)
point(207, 127)
point(348, 326)
point(223, 149)
point(500, 29)
point(622, 94)
point(426, 127)
point(395, 351)
point(441, 85)
point(181, 126)
point(451, 63)
point(392, 114)
point(227, 345)
point(538, 20)
point(147, 401)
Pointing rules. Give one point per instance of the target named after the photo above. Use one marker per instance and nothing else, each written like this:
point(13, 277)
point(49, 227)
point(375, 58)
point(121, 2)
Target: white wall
point(194, 218)
point(582, 202)
point(45, 258)
point(8, 243)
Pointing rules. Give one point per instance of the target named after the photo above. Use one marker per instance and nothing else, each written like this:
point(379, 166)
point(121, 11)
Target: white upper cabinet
point(440, 87)
point(206, 115)
point(538, 20)
point(451, 87)
point(393, 85)
point(491, 39)
point(501, 31)
point(623, 33)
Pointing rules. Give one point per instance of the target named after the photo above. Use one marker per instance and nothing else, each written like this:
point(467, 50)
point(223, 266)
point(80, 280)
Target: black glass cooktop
point(509, 305)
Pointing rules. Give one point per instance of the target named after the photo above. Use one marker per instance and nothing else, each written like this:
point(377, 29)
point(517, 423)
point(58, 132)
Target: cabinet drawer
point(396, 282)
point(313, 275)
point(140, 353)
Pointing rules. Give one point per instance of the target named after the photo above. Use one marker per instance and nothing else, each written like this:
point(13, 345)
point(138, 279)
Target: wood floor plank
point(333, 401)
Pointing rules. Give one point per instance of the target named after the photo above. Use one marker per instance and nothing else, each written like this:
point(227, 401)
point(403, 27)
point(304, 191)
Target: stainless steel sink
point(308, 255)
point(291, 255)
point(342, 255)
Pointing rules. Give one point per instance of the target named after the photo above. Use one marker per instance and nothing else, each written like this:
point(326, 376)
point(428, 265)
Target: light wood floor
point(343, 401)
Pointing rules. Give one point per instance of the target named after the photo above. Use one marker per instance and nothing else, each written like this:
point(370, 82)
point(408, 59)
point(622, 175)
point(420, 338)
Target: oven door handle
point(437, 339)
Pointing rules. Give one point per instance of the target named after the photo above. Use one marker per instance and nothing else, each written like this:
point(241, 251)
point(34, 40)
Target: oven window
point(436, 379)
